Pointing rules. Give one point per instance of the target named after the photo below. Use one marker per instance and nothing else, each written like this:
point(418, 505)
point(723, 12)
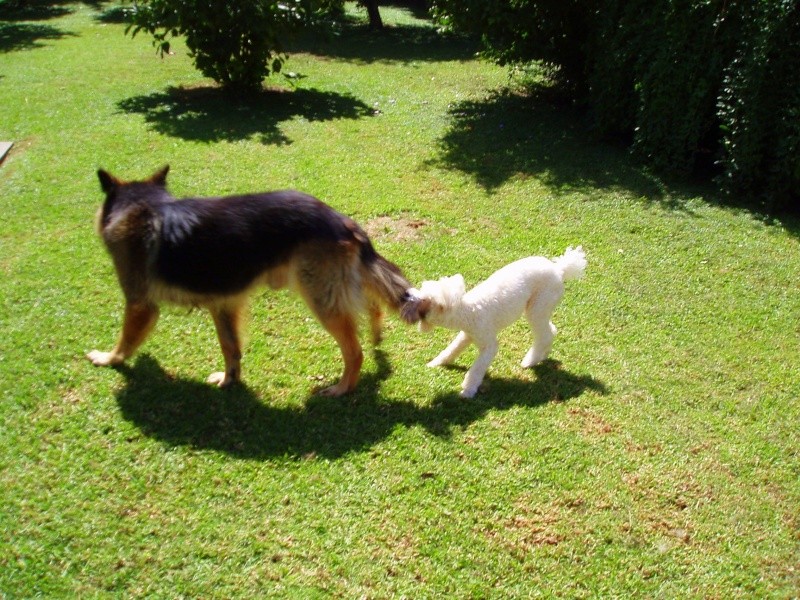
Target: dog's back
point(223, 245)
point(528, 276)
point(205, 247)
point(500, 299)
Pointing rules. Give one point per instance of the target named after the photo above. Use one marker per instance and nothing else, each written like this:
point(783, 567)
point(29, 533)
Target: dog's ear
point(415, 308)
point(159, 178)
point(107, 181)
point(459, 284)
point(424, 307)
point(454, 287)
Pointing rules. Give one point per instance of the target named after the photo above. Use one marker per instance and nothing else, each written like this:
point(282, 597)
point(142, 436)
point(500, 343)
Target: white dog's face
point(436, 298)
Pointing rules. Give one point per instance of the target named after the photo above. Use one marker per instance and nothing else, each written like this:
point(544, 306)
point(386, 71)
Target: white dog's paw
point(531, 359)
point(436, 362)
point(469, 392)
point(103, 359)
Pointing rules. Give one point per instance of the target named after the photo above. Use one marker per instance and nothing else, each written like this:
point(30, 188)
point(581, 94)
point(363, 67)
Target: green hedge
point(697, 86)
point(759, 106)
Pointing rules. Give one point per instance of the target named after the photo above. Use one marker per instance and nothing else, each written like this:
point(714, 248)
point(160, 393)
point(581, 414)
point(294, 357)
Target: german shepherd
point(213, 253)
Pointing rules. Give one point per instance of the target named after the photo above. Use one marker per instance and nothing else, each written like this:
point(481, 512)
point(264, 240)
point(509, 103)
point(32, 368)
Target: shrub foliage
point(237, 43)
point(694, 84)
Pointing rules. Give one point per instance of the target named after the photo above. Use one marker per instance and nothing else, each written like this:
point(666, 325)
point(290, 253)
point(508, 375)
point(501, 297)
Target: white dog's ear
point(457, 284)
point(452, 289)
point(428, 289)
point(423, 309)
point(415, 308)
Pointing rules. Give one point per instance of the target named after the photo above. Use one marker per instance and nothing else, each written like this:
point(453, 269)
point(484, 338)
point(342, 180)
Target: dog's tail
point(572, 263)
point(384, 278)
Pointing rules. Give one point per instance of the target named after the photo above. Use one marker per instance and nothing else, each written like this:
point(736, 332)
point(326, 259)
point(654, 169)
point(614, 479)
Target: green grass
point(655, 455)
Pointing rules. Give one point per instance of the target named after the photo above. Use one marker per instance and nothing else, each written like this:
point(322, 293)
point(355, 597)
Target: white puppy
point(533, 286)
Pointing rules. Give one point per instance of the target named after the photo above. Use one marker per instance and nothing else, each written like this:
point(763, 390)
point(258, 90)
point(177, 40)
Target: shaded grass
point(208, 114)
point(27, 36)
point(183, 412)
point(655, 455)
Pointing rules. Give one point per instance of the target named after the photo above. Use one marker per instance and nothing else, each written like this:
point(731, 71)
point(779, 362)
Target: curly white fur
point(532, 286)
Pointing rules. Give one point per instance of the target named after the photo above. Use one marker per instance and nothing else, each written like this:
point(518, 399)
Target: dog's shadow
point(182, 412)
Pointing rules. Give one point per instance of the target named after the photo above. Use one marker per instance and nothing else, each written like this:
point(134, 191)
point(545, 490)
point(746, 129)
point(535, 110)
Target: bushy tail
point(572, 263)
point(384, 279)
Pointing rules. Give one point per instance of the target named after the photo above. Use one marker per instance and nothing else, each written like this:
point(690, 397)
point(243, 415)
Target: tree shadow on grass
point(511, 135)
point(18, 32)
point(41, 10)
point(114, 15)
point(27, 36)
point(209, 114)
point(180, 412)
point(32, 11)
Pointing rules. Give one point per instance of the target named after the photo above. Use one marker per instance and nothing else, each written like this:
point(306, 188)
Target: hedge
point(699, 87)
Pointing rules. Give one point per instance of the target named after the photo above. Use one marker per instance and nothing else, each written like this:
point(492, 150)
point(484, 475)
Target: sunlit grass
point(655, 455)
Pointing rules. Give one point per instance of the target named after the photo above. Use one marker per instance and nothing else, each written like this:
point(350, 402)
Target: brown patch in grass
point(532, 527)
point(590, 423)
point(395, 229)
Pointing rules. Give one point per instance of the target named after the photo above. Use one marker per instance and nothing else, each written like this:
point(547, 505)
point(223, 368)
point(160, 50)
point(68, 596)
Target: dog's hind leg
point(541, 347)
point(449, 354)
point(343, 329)
point(226, 321)
point(326, 277)
point(140, 317)
point(544, 331)
point(477, 371)
point(376, 322)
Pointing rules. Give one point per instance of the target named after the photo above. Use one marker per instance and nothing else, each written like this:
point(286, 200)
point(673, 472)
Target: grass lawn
point(655, 455)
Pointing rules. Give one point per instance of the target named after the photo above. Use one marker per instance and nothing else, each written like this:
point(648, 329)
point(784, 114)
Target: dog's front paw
point(442, 360)
point(220, 379)
point(104, 359)
point(468, 392)
point(334, 391)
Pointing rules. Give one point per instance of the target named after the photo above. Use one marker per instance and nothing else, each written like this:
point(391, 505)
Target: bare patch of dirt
point(395, 229)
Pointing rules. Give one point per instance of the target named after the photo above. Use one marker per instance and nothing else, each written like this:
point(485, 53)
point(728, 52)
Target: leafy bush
point(518, 31)
point(235, 42)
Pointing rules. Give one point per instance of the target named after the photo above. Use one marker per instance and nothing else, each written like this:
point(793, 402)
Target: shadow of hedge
point(32, 11)
point(355, 42)
point(509, 135)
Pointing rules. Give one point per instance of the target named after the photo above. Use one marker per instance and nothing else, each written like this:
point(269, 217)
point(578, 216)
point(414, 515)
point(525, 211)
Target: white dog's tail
point(572, 264)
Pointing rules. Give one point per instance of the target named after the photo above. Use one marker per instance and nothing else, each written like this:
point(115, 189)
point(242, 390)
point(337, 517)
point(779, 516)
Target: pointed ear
point(160, 177)
point(107, 181)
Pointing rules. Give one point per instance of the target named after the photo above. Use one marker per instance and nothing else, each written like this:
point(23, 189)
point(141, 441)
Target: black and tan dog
point(213, 252)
